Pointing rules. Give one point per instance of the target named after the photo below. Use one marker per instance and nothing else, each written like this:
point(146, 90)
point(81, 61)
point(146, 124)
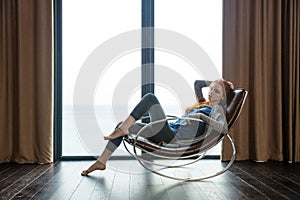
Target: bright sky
point(87, 25)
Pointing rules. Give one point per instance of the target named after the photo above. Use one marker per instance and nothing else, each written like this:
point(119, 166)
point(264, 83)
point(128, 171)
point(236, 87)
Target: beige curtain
point(261, 50)
point(26, 81)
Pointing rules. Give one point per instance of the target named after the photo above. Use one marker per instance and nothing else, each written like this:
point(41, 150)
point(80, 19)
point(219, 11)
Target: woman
point(167, 131)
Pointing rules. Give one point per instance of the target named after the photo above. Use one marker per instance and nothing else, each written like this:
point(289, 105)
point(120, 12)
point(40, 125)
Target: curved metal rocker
point(189, 149)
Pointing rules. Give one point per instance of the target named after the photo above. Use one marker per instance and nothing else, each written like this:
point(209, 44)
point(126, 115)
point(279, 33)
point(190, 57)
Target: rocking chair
point(195, 149)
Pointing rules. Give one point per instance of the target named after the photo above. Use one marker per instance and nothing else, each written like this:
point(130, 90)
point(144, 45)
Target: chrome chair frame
point(199, 155)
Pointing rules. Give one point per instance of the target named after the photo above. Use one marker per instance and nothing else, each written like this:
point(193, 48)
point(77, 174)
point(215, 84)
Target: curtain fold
point(26, 81)
point(261, 54)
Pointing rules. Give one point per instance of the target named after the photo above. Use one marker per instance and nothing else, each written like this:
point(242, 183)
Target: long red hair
point(227, 90)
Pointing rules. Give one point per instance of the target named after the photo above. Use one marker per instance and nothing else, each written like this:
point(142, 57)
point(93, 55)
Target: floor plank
point(32, 186)
point(57, 186)
point(103, 186)
point(126, 179)
point(276, 185)
point(14, 181)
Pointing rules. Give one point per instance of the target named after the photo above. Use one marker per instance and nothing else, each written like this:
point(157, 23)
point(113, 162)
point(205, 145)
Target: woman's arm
point(198, 85)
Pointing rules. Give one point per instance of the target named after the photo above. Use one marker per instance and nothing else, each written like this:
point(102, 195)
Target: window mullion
point(147, 46)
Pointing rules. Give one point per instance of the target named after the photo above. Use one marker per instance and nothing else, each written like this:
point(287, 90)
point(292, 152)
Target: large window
point(89, 24)
point(201, 22)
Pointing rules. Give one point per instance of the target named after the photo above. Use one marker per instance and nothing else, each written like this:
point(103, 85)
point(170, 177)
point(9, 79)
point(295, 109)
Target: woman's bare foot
point(118, 132)
point(96, 166)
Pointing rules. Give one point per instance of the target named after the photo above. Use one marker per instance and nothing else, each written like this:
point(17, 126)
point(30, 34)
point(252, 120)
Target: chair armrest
point(219, 126)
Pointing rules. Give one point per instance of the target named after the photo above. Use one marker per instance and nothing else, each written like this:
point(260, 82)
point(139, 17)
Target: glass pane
point(87, 25)
point(199, 22)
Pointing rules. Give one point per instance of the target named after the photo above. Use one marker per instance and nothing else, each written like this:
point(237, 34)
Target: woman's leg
point(148, 103)
point(122, 130)
point(100, 163)
point(155, 133)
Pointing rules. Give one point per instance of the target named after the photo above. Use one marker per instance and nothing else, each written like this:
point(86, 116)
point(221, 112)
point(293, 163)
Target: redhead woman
point(182, 129)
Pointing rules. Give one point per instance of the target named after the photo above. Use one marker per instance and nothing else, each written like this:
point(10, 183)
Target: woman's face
point(215, 94)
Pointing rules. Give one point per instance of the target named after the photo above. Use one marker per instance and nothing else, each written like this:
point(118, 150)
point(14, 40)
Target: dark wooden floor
point(125, 179)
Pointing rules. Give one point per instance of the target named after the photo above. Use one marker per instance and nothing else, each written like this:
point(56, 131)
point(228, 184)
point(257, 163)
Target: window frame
point(147, 73)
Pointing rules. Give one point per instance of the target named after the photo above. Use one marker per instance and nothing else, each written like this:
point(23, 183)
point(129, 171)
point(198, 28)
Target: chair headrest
point(235, 103)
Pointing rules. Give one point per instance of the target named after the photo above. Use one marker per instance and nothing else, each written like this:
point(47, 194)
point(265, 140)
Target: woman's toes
point(84, 173)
